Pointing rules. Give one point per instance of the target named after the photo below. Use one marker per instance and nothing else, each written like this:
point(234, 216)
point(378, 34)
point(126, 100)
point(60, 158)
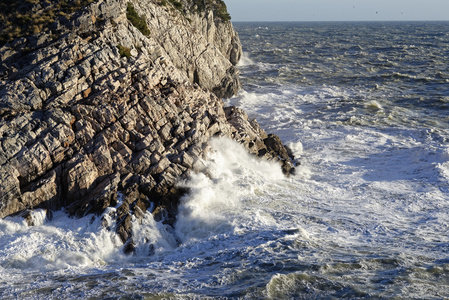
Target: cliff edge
point(111, 102)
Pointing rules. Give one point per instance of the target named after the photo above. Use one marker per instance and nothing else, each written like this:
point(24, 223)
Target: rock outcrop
point(97, 114)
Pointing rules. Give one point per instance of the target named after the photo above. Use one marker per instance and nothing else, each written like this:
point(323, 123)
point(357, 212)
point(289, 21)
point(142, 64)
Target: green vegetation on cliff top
point(218, 6)
point(176, 4)
point(138, 21)
point(27, 17)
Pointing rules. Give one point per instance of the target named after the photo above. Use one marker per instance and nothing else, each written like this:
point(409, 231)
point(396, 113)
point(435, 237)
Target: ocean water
point(364, 108)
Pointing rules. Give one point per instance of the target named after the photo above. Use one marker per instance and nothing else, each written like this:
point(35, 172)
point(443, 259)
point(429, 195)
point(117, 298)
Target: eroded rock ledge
point(84, 127)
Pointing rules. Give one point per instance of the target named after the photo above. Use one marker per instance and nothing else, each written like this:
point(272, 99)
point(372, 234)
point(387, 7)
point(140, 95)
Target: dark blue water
point(364, 108)
point(405, 64)
point(366, 105)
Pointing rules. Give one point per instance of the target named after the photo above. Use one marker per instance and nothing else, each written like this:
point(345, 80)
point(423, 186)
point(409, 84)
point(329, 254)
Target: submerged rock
point(101, 109)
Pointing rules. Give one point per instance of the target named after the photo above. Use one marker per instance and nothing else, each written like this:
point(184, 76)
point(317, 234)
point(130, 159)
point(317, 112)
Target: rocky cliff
point(113, 102)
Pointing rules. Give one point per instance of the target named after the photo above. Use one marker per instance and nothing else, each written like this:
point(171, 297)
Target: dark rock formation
point(86, 127)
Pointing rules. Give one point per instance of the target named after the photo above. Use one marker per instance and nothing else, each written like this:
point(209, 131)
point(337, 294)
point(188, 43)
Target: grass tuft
point(124, 51)
point(176, 4)
point(138, 21)
point(28, 17)
point(218, 6)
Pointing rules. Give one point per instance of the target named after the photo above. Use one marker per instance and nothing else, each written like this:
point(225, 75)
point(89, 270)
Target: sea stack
point(111, 102)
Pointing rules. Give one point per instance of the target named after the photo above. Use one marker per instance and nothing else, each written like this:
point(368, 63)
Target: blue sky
point(337, 10)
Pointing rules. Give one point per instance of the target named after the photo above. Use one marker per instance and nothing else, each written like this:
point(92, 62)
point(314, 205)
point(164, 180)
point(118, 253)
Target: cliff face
point(98, 112)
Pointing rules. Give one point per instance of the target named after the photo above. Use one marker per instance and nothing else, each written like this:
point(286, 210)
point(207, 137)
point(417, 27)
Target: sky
point(338, 10)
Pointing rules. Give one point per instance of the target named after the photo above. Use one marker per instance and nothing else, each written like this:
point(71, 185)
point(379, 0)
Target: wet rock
point(35, 217)
point(99, 198)
point(129, 247)
point(124, 229)
point(276, 147)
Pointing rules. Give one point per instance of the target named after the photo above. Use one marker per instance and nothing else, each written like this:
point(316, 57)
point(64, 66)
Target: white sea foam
point(444, 170)
point(152, 237)
point(365, 215)
point(38, 216)
point(245, 60)
point(214, 202)
point(373, 104)
point(58, 244)
point(287, 286)
point(296, 148)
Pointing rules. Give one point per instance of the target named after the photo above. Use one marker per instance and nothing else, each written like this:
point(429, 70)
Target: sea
point(364, 108)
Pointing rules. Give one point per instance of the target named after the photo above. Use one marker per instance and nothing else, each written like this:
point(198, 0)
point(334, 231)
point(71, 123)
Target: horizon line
point(292, 21)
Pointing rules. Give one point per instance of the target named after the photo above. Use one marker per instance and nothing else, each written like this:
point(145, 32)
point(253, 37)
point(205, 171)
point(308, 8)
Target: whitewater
point(364, 107)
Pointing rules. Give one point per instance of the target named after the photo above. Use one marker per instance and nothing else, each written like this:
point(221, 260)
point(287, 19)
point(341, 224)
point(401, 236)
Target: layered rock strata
point(104, 115)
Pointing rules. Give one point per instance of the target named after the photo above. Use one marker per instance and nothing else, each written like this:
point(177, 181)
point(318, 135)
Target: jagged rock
point(184, 159)
point(101, 197)
point(210, 24)
point(229, 85)
point(275, 146)
point(45, 191)
point(9, 191)
point(80, 174)
point(160, 166)
point(81, 122)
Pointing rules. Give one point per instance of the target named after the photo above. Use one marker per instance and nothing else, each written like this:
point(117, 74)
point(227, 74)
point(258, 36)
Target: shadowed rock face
point(84, 127)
